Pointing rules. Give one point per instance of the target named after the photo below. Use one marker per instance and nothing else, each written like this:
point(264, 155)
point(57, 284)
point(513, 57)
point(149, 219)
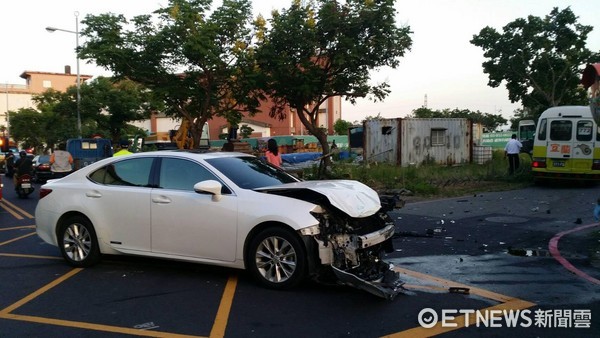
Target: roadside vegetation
point(430, 180)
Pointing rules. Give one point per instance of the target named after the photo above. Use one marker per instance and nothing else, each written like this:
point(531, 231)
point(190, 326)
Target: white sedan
point(227, 209)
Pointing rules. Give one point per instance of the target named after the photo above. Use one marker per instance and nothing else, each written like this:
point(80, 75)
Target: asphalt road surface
point(470, 264)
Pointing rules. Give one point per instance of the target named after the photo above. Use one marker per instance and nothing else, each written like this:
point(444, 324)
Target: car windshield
point(250, 172)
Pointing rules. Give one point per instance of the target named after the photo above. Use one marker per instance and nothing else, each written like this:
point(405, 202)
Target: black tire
point(277, 258)
point(78, 242)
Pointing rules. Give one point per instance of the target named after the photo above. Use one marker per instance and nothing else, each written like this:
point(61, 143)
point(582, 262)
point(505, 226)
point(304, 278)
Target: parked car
point(41, 168)
point(222, 208)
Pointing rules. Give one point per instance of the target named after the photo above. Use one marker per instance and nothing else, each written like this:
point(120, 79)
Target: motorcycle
point(24, 185)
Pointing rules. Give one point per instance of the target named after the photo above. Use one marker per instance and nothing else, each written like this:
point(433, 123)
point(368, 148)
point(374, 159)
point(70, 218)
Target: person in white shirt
point(61, 162)
point(512, 150)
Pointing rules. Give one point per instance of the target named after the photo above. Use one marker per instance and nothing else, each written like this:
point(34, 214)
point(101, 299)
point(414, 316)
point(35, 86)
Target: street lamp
point(76, 32)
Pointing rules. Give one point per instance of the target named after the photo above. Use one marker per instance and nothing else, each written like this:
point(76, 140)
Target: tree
point(341, 127)
point(540, 59)
point(490, 122)
point(327, 49)
point(27, 126)
point(196, 60)
point(108, 106)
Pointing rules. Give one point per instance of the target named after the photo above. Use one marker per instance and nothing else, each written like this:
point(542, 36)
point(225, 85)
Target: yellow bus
point(566, 145)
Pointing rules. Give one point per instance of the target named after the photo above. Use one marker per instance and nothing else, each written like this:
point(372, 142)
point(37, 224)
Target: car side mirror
point(209, 186)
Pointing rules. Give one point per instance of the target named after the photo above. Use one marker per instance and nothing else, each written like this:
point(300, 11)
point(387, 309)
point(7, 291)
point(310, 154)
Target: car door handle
point(161, 199)
point(93, 194)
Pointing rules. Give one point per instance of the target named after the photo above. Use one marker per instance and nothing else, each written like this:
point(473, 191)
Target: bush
point(435, 180)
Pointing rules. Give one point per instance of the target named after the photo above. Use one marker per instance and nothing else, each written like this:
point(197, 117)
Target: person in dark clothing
point(24, 165)
point(10, 164)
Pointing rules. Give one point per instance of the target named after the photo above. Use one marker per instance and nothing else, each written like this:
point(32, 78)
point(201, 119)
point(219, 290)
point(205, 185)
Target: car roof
point(195, 154)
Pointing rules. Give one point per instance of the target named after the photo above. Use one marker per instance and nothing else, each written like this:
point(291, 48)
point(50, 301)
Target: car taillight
point(44, 192)
point(538, 163)
point(596, 165)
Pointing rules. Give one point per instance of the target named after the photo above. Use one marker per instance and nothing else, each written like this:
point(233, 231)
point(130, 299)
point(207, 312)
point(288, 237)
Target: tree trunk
point(321, 137)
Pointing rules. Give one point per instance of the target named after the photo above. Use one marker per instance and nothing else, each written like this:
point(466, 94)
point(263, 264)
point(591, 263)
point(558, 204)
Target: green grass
point(431, 180)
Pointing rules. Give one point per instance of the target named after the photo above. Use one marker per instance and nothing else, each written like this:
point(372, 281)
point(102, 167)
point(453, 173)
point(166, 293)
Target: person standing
point(512, 150)
point(272, 153)
point(61, 162)
point(124, 145)
point(10, 164)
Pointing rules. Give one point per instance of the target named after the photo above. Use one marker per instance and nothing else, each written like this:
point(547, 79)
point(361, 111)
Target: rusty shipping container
point(411, 141)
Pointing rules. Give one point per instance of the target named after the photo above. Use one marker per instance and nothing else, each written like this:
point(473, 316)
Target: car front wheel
point(277, 258)
point(78, 242)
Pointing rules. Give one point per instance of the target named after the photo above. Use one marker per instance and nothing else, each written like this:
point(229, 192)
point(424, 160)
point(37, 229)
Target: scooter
point(24, 185)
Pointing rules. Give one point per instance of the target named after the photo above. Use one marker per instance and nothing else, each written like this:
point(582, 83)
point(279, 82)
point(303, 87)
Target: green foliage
point(539, 59)
point(108, 105)
point(490, 122)
point(196, 59)
point(341, 127)
point(435, 180)
point(246, 131)
point(326, 49)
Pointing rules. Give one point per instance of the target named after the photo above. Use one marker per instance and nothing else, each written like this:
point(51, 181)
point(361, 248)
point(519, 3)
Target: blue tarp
point(293, 158)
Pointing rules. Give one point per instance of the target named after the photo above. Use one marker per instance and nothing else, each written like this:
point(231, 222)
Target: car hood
point(351, 197)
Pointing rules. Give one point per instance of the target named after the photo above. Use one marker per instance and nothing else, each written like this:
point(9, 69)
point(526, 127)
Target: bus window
point(542, 131)
point(584, 130)
point(561, 130)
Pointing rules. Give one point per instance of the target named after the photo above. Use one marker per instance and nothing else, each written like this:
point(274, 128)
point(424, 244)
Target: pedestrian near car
point(272, 154)
point(10, 163)
point(61, 162)
point(597, 211)
point(124, 149)
point(512, 150)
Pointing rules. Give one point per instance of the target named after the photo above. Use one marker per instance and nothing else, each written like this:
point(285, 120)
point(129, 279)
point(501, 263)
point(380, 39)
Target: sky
point(442, 69)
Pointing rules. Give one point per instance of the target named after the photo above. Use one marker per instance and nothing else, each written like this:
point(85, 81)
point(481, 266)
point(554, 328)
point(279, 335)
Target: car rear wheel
point(277, 258)
point(78, 242)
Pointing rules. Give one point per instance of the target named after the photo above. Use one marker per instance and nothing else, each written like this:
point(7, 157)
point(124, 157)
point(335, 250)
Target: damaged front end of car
point(353, 234)
point(354, 249)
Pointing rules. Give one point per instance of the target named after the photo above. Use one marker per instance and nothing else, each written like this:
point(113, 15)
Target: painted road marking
point(220, 324)
point(553, 247)
point(14, 210)
point(506, 303)
point(16, 239)
point(222, 317)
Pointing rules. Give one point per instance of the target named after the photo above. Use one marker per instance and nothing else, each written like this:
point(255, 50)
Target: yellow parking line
point(515, 304)
point(19, 227)
point(16, 239)
point(220, 323)
point(12, 212)
point(29, 256)
point(473, 290)
point(506, 303)
point(6, 205)
point(39, 292)
point(97, 327)
point(6, 314)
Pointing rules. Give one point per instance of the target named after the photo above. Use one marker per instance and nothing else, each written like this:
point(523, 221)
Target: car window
point(131, 172)
point(250, 172)
point(182, 174)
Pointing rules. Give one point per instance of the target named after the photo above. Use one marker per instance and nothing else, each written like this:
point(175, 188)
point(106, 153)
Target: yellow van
point(566, 145)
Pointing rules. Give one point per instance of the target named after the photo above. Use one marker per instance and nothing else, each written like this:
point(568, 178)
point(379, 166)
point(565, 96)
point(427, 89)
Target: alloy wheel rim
point(77, 242)
point(276, 259)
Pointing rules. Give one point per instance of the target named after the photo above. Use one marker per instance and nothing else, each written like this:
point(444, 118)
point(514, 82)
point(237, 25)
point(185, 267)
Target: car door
point(120, 199)
point(190, 224)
